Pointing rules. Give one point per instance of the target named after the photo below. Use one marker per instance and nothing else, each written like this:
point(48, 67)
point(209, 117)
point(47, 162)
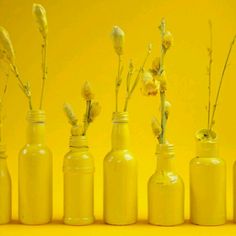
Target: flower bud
point(118, 37)
point(156, 128)
point(86, 91)
point(150, 86)
point(167, 40)
point(94, 111)
point(41, 18)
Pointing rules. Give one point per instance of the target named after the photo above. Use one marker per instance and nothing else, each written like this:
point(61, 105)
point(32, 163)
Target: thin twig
point(162, 93)
point(221, 80)
point(21, 84)
point(44, 68)
point(209, 76)
point(136, 81)
point(118, 81)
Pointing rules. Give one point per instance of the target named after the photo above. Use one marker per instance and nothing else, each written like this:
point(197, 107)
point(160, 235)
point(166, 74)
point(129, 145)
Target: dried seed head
point(41, 19)
point(70, 114)
point(7, 48)
point(94, 111)
point(76, 130)
point(167, 109)
point(118, 37)
point(156, 127)
point(150, 86)
point(156, 65)
point(86, 91)
point(167, 40)
point(163, 82)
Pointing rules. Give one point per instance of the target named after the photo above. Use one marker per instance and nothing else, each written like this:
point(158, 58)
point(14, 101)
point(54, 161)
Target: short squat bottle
point(78, 183)
point(35, 174)
point(207, 185)
point(120, 176)
point(165, 190)
point(5, 188)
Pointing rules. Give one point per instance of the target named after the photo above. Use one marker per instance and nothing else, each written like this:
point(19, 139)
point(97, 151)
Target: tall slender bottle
point(5, 188)
point(207, 185)
point(120, 176)
point(35, 173)
point(78, 183)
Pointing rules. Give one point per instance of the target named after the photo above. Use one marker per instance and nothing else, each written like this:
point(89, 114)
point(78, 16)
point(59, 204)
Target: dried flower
point(163, 82)
point(6, 44)
point(70, 114)
point(167, 40)
point(118, 37)
point(86, 92)
point(156, 128)
point(150, 86)
point(167, 109)
point(95, 110)
point(41, 18)
point(76, 130)
point(155, 66)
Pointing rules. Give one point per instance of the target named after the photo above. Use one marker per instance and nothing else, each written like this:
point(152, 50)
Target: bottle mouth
point(120, 117)
point(165, 149)
point(78, 141)
point(36, 116)
point(205, 135)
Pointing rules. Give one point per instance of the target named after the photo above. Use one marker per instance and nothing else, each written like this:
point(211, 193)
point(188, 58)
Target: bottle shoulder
point(33, 149)
point(119, 155)
point(207, 161)
point(167, 178)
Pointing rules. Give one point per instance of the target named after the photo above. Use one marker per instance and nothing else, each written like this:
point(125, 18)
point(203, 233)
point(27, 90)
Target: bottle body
point(120, 176)
point(234, 192)
point(5, 193)
point(78, 185)
point(207, 187)
point(120, 188)
point(35, 175)
point(165, 191)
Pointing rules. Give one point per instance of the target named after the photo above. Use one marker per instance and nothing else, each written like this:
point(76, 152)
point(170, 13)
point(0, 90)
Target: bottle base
point(79, 221)
point(120, 223)
point(166, 224)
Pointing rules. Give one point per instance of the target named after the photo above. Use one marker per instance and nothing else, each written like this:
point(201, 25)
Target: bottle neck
point(165, 158)
point(120, 131)
point(36, 127)
point(207, 149)
point(78, 142)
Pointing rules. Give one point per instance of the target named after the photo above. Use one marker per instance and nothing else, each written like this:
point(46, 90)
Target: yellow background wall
point(80, 49)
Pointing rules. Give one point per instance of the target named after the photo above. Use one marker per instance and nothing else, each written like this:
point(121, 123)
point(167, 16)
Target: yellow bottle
point(207, 186)
point(120, 176)
point(165, 190)
point(35, 174)
point(234, 192)
point(78, 183)
point(5, 188)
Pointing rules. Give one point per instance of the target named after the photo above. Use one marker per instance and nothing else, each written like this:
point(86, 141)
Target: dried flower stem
point(24, 88)
point(162, 92)
point(221, 80)
point(118, 81)
point(86, 117)
point(130, 91)
point(1, 106)
point(209, 77)
point(44, 68)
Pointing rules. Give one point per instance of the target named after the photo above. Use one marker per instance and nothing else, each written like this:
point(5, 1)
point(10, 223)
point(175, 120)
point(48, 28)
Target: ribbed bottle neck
point(36, 127)
point(165, 157)
point(78, 142)
point(120, 131)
